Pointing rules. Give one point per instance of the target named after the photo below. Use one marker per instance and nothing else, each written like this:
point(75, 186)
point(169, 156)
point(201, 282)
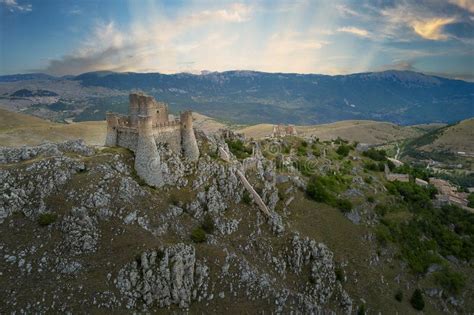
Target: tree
point(417, 300)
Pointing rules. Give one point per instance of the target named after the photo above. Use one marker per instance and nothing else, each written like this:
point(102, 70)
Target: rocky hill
point(81, 232)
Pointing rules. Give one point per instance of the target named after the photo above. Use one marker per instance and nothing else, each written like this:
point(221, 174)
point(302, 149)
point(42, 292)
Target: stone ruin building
point(283, 130)
point(148, 125)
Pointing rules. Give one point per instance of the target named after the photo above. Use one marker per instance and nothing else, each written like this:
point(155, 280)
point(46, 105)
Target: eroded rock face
point(13, 155)
point(165, 277)
point(306, 252)
point(81, 233)
point(24, 189)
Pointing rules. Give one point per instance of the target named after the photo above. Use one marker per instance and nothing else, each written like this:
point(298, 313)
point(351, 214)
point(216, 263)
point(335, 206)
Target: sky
point(69, 37)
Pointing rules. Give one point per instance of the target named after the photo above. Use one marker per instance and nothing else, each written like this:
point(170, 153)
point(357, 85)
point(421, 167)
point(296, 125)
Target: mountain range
point(249, 97)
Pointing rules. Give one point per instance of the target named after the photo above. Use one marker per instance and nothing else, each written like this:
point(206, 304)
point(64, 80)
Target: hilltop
point(372, 132)
point(79, 223)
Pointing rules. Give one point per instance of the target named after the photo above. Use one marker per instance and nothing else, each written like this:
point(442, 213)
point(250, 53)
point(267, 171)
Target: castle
point(282, 131)
point(147, 125)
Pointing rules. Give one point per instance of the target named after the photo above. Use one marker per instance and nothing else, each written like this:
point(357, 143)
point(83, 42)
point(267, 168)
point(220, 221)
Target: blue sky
point(328, 37)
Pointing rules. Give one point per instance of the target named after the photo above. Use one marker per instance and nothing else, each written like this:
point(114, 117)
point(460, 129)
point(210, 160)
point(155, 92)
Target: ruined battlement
point(147, 125)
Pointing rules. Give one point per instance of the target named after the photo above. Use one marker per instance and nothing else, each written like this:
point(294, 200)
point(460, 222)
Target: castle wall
point(169, 134)
point(127, 138)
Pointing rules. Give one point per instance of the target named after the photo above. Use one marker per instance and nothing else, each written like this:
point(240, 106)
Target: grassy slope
point(19, 129)
point(366, 131)
point(458, 137)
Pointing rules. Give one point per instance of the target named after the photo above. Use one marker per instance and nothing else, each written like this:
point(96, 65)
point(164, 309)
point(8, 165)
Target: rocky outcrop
point(13, 155)
point(164, 277)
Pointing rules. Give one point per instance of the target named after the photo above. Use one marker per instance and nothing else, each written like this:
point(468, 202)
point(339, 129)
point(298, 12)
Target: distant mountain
point(29, 93)
point(249, 97)
point(27, 76)
point(402, 97)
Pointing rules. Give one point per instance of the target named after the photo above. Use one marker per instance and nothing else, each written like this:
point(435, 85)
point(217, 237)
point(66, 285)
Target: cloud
point(345, 10)
point(354, 30)
point(162, 44)
point(12, 6)
point(432, 28)
point(464, 4)
point(424, 23)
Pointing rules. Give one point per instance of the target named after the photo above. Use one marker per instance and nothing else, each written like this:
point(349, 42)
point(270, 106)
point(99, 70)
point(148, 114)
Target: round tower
point(147, 157)
point(188, 139)
point(133, 109)
point(112, 123)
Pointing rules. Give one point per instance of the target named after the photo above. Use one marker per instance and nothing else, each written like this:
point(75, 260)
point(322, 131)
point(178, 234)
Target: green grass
point(47, 218)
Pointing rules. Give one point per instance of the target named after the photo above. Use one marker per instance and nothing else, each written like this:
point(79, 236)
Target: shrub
point(47, 218)
point(451, 281)
point(371, 199)
point(368, 179)
point(361, 310)
point(345, 205)
point(399, 295)
point(417, 300)
point(208, 224)
point(343, 150)
point(381, 209)
point(470, 200)
point(198, 235)
point(382, 233)
point(376, 155)
point(238, 148)
point(339, 274)
point(317, 191)
point(246, 197)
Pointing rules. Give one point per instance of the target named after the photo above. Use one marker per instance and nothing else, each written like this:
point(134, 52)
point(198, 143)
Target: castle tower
point(147, 158)
point(188, 139)
point(112, 122)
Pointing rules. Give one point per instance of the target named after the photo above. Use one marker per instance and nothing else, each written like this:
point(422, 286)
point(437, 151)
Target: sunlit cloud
point(354, 30)
point(465, 4)
point(432, 28)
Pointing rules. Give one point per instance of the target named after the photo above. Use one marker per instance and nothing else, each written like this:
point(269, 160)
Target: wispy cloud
point(12, 6)
point(354, 30)
point(465, 4)
point(432, 28)
point(426, 24)
point(148, 47)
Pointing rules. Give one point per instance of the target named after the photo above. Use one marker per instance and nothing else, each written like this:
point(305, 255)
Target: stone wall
point(127, 138)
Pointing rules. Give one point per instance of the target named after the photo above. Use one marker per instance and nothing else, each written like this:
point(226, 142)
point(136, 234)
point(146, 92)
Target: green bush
point(198, 235)
point(208, 224)
point(246, 198)
point(417, 300)
point(239, 149)
point(317, 191)
point(399, 295)
point(371, 199)
point(361, 310)
point(345, 205)
point(470, 200)
point(381, 209)
point(376, 155)
point(382, 233)
point(343, 150)
point(368, 179)
point(451, 281)
point(47, 218)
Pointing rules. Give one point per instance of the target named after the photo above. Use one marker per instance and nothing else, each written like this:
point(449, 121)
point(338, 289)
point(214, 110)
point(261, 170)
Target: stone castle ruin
point(283, 131)
point(148, 125)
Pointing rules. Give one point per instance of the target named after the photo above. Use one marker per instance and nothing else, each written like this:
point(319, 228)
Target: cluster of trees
point(428, 234)
point(324, 189)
